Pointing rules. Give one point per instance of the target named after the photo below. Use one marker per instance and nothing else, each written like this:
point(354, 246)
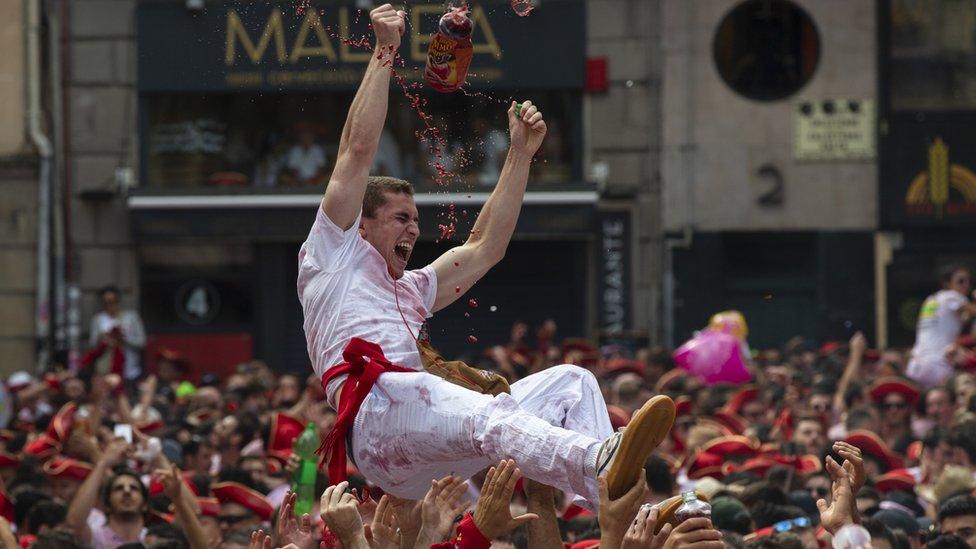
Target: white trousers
point(415, 427)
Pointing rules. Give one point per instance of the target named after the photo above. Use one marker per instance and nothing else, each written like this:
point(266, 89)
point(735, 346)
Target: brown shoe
point(622, 456)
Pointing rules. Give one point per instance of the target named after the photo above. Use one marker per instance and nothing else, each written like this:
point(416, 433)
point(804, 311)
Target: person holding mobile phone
point(124, 498)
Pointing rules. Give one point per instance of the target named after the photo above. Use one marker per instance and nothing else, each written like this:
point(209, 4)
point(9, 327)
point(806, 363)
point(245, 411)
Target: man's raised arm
point(364, 123)
point(459, 268)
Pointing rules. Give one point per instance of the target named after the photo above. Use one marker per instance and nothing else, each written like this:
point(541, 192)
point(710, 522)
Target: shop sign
point(614, 282)
point(834, 129)
point(265, 45)
point(928, 174)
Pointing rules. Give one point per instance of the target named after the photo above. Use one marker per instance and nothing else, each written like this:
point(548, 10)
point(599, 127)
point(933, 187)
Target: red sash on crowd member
point(118, 357)
point(364, 363)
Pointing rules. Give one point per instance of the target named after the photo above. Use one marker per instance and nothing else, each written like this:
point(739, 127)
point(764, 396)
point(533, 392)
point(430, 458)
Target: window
point(933, 54)
point(766, 50)
point(289, 142)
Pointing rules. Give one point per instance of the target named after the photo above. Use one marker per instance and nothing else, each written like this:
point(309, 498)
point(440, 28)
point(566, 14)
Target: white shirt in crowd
point(387, 157)
point(346, 291)
point(939, 324)
point(133, 337)
point(306, 162)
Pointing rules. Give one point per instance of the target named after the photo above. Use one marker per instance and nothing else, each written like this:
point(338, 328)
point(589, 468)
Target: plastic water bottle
point(692, 507)
point(304, 482)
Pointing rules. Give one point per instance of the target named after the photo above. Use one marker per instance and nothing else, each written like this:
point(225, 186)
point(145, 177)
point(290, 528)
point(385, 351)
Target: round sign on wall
point(197, 302)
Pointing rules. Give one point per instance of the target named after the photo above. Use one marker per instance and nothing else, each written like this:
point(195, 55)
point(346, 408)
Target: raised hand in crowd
point(695, 532)
point(854, 466)
point(292, 529)
point(641, 535)
point(492, 515)
point(340, 511)
point(839, 512)
point(443, 503)
point(541, 499)
point(184, 506)
point(409, 517)
point(384, 532)
point(616, 515)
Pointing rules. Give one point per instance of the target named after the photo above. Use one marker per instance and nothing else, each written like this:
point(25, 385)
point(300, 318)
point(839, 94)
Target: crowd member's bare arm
point(459, 268)
point(364, 123)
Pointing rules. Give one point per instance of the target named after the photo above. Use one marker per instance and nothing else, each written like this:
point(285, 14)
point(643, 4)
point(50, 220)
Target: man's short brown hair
point(376, 187)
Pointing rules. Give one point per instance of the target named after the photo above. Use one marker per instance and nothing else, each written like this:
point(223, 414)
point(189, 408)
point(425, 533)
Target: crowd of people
point(211, 463)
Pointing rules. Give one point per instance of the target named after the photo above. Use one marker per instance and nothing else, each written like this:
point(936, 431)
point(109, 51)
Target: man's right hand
point(388, 25)
point(115, 452)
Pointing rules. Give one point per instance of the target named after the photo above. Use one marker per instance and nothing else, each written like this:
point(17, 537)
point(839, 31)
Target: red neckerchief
point(364, 363)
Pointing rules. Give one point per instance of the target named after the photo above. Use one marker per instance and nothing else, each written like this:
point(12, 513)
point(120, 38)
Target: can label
point(448, 60)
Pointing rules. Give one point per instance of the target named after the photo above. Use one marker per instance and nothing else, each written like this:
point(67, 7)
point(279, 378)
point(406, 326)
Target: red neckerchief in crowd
point(364, 363)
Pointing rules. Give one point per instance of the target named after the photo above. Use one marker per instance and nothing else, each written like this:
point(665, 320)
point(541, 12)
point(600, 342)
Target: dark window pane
point(766, 49)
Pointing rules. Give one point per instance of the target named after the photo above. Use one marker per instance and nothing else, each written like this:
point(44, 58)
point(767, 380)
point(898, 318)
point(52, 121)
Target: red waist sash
point(364, 364)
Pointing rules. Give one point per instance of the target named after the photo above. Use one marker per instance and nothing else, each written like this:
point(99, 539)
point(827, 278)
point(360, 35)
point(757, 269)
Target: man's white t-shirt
point(346, 291)
point(939, 324)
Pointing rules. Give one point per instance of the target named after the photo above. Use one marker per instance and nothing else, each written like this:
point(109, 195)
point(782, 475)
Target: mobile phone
point(124, 430)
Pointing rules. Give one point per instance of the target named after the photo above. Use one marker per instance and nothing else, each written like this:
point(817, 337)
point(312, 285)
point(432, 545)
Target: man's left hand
point(527, 129)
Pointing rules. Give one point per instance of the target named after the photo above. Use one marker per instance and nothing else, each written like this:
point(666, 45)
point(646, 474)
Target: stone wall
point(715, 140)
point(624, 131)
point(18, 263)
point(103, 104)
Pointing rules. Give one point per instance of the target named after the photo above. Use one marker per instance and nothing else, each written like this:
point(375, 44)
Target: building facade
point(769, 166)
point(190, 188)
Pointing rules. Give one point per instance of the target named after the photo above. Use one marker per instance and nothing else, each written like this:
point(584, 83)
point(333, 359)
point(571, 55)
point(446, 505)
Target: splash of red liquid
point(473, 303)
point(457, 289)
point(456, 264)
point(447, 231)
point(472, 339)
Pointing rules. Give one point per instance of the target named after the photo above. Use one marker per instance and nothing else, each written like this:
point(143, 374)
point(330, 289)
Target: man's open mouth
point(402, 250)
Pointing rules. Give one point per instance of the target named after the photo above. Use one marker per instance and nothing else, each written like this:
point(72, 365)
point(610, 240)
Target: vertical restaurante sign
point(272, 45)
point(613, 287)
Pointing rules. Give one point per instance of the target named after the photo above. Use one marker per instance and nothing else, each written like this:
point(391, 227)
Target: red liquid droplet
point(522, 7)
point(472, 339)
point(473, 303)
point(447, 231)
point(467, 315)
point(457, 289)
point(456, 264)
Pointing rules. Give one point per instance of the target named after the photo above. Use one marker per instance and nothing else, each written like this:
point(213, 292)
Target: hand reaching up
point(641, 532)
point(615, 515)
point(838, 514)
point(493, 516)
point(442, 504)
point(292, 529)
point(340, 511)
point(384, 532)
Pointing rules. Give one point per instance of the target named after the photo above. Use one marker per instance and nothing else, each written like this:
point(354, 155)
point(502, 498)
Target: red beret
point(233, 492)
point(742, 397)
point(887, 385)
point(65, 467)
point(897, 479)
point(732, 445)
point(871, 444)
point(704, 464)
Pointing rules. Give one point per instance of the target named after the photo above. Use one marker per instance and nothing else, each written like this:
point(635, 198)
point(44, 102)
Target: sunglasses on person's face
point(232, 519)
point(793, 524)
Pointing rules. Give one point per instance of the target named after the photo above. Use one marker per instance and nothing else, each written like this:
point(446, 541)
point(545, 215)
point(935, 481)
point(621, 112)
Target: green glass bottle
point(304, 482)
